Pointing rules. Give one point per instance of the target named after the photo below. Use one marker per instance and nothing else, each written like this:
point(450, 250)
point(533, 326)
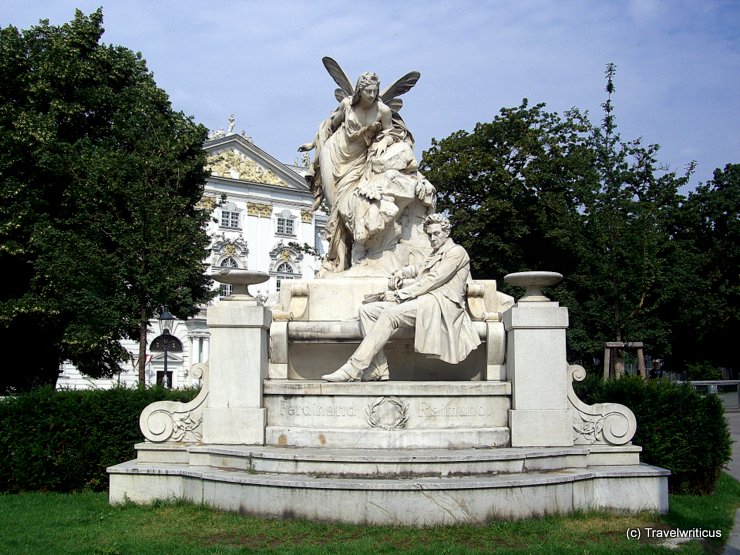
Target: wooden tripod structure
point(611, 358)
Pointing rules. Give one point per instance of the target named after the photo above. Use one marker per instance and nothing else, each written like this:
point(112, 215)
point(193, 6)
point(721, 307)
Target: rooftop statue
point(364, 168)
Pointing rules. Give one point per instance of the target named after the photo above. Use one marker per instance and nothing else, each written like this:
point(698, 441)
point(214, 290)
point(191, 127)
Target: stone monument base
point(504, 438)
point(414, 487)
point(412, 415)
point(399, 453)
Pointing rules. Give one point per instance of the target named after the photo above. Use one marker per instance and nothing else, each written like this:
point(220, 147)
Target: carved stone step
point(379, 463)
point(387, 463)
point(416, 501)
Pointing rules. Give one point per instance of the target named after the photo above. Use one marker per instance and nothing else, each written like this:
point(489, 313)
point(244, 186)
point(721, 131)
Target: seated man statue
point(433, 304)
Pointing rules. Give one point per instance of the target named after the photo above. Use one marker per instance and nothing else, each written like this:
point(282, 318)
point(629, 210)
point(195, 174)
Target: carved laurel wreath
point(401, 416)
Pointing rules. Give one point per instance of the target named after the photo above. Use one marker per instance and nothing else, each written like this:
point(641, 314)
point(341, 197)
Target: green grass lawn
point(51, 523)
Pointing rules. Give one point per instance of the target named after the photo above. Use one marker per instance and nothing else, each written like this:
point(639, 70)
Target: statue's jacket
point(443, 327)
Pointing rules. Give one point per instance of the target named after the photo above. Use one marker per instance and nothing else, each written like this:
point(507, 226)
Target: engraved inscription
point(314, 409)
point(428, 410)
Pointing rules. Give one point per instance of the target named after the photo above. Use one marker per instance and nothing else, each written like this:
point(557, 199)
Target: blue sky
point(677, 84)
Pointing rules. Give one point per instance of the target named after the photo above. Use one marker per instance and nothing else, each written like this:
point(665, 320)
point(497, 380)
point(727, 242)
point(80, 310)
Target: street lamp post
point(165, 320)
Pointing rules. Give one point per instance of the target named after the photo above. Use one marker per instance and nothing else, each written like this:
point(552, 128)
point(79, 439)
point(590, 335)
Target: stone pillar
point(205, 345)
point(197, 349)
point(537, 366)
point(238, 362)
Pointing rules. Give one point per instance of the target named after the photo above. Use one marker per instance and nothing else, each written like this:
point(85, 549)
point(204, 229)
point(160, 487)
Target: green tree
point(706, 319)
point(512, 188)
point(534, 190)
point(626, 274)
point(100, 182)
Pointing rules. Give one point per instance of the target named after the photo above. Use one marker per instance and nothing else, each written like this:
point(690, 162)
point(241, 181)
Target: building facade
point(262, 220)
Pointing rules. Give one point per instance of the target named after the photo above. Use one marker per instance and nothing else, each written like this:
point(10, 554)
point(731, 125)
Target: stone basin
point(240, 280)
point(533, 282)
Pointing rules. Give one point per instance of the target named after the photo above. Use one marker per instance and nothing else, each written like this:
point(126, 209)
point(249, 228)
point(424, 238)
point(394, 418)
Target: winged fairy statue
point(365, 170)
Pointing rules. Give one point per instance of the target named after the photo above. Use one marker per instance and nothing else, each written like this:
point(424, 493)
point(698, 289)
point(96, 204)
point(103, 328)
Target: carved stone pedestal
point(235, 413)
point(536, 365)
point(412, 415)
point(412, 487)
point(418, 453)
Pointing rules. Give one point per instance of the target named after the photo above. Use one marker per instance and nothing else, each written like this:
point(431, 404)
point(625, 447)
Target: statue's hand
point(395, 281)
point(306, 147)
point(424, 190)
point(391, 297)
point(382, 146)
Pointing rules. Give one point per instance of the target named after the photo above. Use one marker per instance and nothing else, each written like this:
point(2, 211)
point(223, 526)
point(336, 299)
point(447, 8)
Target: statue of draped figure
point(365, 171)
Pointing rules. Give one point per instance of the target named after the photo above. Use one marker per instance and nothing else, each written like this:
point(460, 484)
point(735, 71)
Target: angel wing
point(401, 86)
point(388, 96)
point(340, 78)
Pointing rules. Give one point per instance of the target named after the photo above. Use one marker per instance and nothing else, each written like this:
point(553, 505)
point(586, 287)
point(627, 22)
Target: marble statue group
point(365, 170)
point(480, 420)
point(433, 304)
point(382, 221)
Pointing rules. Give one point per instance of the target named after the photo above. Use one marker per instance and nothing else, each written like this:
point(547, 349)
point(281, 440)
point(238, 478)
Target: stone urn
point(240, 280)
point(532, 283)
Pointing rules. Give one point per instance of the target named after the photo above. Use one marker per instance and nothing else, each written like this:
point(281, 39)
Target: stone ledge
point(394, 388)
point(384, 462)
point(374, 462)
point(435, 438)
point(414, 502)
point(405, 455)
point(392, 484)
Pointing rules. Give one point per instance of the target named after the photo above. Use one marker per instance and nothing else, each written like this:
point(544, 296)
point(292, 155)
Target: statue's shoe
point(380, 374)
point(347, 373)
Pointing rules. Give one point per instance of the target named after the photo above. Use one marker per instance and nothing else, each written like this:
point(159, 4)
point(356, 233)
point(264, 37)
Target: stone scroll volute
point(175, 421)
point(601, 423)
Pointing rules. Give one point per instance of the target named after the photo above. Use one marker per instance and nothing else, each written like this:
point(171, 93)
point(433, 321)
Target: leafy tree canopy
point(707, 232)
point(534, 190)
point(512, 187)
point(100, 182)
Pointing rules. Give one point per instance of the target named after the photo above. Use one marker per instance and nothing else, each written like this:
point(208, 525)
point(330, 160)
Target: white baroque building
point(261, 214)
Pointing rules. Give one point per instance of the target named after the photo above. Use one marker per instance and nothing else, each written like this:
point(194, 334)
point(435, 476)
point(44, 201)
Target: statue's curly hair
point(437, 219)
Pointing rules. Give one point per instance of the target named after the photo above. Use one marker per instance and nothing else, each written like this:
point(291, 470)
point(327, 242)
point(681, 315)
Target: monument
point(394, 389)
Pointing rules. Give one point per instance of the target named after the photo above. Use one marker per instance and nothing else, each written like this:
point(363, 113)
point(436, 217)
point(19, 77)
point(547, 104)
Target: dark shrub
point(64, 440)
point(677, 428)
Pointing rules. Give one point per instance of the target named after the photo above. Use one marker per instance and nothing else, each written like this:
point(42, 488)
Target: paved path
point(733, 420)
point(733, 468)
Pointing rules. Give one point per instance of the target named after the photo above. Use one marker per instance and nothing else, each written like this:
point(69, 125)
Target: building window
point(284, 271)
point(224, 289)
point(318, 241)
point(164, 378)
point(230, 219)
point(284, 226)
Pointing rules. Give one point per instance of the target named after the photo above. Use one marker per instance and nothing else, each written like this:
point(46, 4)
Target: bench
point(295, 325)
